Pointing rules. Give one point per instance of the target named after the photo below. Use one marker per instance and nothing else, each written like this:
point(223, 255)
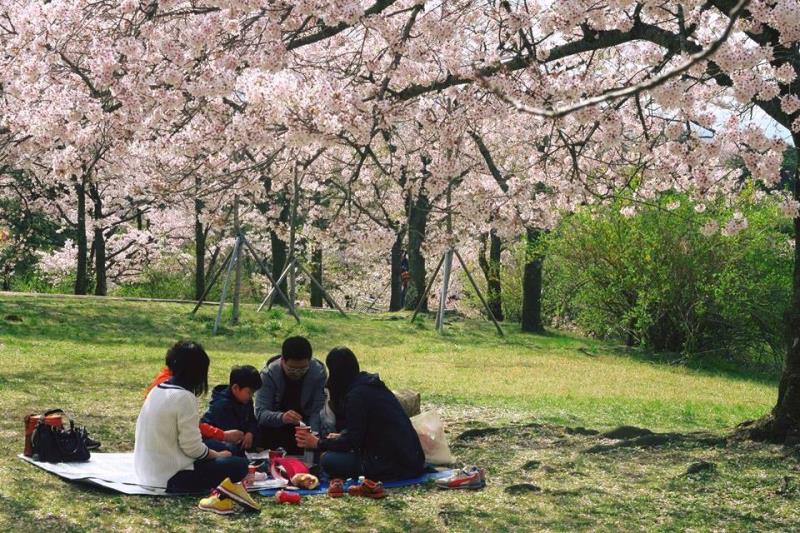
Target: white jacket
point(167, 435)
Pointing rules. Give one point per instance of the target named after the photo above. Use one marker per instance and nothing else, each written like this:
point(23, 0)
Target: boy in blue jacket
point(231, 408)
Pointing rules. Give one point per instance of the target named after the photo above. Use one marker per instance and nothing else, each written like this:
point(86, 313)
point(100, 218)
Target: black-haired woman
point(378, 440)
point(169, 451)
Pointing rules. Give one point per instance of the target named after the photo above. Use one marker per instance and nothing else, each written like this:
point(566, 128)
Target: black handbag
point(59, 444)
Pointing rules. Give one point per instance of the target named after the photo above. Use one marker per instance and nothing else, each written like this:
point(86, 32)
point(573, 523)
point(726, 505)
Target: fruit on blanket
point(305, 481)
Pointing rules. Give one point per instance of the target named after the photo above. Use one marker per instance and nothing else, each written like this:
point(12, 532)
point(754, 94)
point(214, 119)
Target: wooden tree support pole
point(291, 274)
point(213, 280)
point(276, 287)
point(478, 291)
point(265, 270)
point(448, 265)
point(325, 294)
point(234, 259)
point(237, 283)
point(427, 289)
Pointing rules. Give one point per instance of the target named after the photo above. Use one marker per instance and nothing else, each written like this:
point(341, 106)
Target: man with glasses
point(292, 391)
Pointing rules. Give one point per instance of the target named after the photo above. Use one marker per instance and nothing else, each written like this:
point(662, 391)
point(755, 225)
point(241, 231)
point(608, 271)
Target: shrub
point(661, 279)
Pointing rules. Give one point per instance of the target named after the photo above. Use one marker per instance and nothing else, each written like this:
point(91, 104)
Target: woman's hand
point(306, 439)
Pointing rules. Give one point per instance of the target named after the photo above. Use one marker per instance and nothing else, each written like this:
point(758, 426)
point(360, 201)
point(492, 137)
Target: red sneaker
point(466, 478)
point(368, 489)
point(336, 488)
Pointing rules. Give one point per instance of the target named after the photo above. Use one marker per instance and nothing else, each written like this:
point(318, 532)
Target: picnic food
point(305, 481)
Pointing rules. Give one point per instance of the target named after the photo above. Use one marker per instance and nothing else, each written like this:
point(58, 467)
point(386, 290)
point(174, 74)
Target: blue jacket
point(269, 396)
point(377, 428)
point(225, 411)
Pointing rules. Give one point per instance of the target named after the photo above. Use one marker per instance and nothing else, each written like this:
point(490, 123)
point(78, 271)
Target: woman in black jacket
point(378, 440)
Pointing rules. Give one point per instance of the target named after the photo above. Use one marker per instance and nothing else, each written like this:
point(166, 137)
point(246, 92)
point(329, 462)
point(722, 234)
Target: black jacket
point(379, 431)
point(225, 411)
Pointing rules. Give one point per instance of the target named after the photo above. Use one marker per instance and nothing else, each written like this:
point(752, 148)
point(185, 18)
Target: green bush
point(159, 284)
point(655, 280)
point(33, 281)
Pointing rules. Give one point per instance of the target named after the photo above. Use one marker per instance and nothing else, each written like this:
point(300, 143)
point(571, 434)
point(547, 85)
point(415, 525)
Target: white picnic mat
point(115, 471)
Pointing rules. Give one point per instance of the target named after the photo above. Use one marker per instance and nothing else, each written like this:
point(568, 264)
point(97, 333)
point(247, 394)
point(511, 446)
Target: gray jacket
point(268, 397)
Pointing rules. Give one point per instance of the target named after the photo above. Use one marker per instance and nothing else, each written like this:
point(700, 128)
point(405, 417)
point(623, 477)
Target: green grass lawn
point(94, 359)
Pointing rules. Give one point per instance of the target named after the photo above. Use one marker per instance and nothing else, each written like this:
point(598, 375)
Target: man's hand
point(233, 435)
point(247, 441)
point(306, 439)
point(333, 435)
point(292, 418)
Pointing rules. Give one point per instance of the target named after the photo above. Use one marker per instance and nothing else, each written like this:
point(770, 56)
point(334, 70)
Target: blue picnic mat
point(323, 487)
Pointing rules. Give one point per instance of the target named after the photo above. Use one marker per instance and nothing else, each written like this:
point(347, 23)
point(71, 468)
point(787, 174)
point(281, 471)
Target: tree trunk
point(237, 274)
point(99, 245)
point(316, 271)
point(491, 271)
point(82, 275)
point(417, 222)
point(396, 298)
point(101, 284)
point(293, 233)
point(782, 425)
point(532, 286)
point(199, 246)
point(278, 264)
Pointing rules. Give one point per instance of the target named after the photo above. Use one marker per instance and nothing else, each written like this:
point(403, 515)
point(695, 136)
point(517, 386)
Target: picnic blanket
point(115, 471)
point(323, 487)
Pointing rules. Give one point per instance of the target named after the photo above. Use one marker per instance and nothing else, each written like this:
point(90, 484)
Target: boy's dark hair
point(189, 362)
point(245, 376)
point(296, 348)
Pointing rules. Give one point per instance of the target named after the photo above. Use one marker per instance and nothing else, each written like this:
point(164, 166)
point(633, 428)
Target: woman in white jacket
point(169, 451)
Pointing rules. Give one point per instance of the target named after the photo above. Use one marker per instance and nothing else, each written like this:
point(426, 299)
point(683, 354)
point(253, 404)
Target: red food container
point(31, 421)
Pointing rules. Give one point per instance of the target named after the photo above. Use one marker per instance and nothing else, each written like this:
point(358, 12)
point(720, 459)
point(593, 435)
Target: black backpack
point(59, 445)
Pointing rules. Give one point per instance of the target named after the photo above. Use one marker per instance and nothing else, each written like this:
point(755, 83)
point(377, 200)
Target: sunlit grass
point(95, 358)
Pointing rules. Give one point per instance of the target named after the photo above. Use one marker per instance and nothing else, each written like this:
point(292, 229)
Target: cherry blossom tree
point(527, 109)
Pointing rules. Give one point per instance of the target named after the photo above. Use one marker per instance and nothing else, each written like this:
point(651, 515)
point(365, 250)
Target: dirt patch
point(477, 433)
point(533, 464)
point(654, 440)
point(626, 432)
point(522, 488)
point(701, 467)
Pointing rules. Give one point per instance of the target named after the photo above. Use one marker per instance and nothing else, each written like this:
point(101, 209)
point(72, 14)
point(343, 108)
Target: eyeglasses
point(295, 371)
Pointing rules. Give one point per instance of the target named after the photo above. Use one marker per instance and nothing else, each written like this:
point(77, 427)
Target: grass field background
point(94, 358)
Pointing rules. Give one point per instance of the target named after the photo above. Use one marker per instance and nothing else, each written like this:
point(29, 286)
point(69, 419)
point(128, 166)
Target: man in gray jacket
point(293, 390)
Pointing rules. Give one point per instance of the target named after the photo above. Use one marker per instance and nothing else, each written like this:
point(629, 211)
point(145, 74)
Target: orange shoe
point(368, 489)
point(336, 488)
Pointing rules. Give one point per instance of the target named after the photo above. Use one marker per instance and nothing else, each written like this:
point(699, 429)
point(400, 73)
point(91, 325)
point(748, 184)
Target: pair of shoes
point(336, 488)
point(467, 478)
point(238, 493)
point(368, 489)
point(216, 503)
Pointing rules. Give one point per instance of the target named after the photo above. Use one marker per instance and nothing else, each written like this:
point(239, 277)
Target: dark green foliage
point(654, 279)
point(30, 231)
